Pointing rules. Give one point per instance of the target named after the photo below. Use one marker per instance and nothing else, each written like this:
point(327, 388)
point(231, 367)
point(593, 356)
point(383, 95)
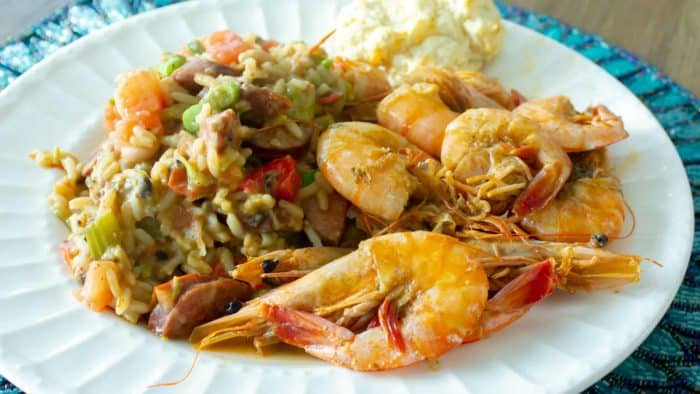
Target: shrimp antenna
point(322, 41)
point(634, 222)
point(182, 379)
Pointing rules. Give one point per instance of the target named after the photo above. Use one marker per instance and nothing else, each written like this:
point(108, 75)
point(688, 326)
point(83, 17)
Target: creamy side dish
point(402, 36)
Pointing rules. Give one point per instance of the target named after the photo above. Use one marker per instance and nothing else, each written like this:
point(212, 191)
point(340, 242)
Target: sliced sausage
point(184, 75)
point(200, 303)
point(271, 143)
point(329, 224)
point(264, 105)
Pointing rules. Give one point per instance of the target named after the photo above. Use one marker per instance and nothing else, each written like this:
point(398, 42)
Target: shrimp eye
point(233, 306)
point(269, 265)
point(599, 240)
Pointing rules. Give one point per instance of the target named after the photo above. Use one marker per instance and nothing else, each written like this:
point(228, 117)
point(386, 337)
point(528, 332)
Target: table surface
point(664, 33)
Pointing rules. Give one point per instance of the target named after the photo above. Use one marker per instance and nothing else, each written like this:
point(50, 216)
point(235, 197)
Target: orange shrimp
point(496, 148)
point(591, 202)
point(138, 101)
point(575, 131)
point(430, 292)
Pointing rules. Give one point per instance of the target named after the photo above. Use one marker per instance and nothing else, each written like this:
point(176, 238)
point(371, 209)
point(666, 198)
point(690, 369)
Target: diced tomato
point(331, 98)
point(178, 181)
point(179, 184)
point(225, 46)
point(283, 180)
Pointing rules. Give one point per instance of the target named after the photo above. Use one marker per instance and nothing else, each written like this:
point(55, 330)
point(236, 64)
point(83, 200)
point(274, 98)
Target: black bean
point(146, 187)
point(599, 240)
point(233, 306)
point(269, 265)
point(257, 219)
point(161, 255)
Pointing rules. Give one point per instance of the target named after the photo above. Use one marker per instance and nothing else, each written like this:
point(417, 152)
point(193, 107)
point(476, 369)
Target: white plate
point(49, 343)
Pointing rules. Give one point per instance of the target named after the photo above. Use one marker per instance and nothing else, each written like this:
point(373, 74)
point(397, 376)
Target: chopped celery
point(175, 111)
point(102, 233)
point(194, 176)
point(303, 103)
point(171, 64)
point(144, 270)
point(348, 91)
point(189, 118)
point(322, 122)
point(223, 96)
point(176, 288)
point(195, 47)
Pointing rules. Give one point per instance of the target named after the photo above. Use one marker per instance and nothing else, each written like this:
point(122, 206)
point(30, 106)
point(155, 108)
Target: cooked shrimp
point(491, 87)
point(134, 118)
point(491, 147)
point(363, 163)
point(285, 264)
point(96, 292)
point(429, 294)
point(369, 83)
point(421, 109)
point(455, 91)
point(574, 131)
point(417, 113)
point(590, 203)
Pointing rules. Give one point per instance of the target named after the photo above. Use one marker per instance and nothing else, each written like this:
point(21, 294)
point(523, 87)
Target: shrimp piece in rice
point(590, 203)
point(429, 293)
point(369, 83)
point(134, 118)
point(96, 292)
point(597, 127)
point(489, 145)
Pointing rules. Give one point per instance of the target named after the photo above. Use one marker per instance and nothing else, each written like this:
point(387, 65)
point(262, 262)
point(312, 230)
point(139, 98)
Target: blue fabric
point(669, 360)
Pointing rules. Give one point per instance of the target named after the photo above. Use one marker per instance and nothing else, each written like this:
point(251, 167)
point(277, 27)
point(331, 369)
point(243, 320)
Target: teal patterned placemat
point(669, 360)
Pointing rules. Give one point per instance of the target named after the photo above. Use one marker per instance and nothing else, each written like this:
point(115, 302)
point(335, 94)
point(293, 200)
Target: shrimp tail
point(516, 298)
point(609, 128)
